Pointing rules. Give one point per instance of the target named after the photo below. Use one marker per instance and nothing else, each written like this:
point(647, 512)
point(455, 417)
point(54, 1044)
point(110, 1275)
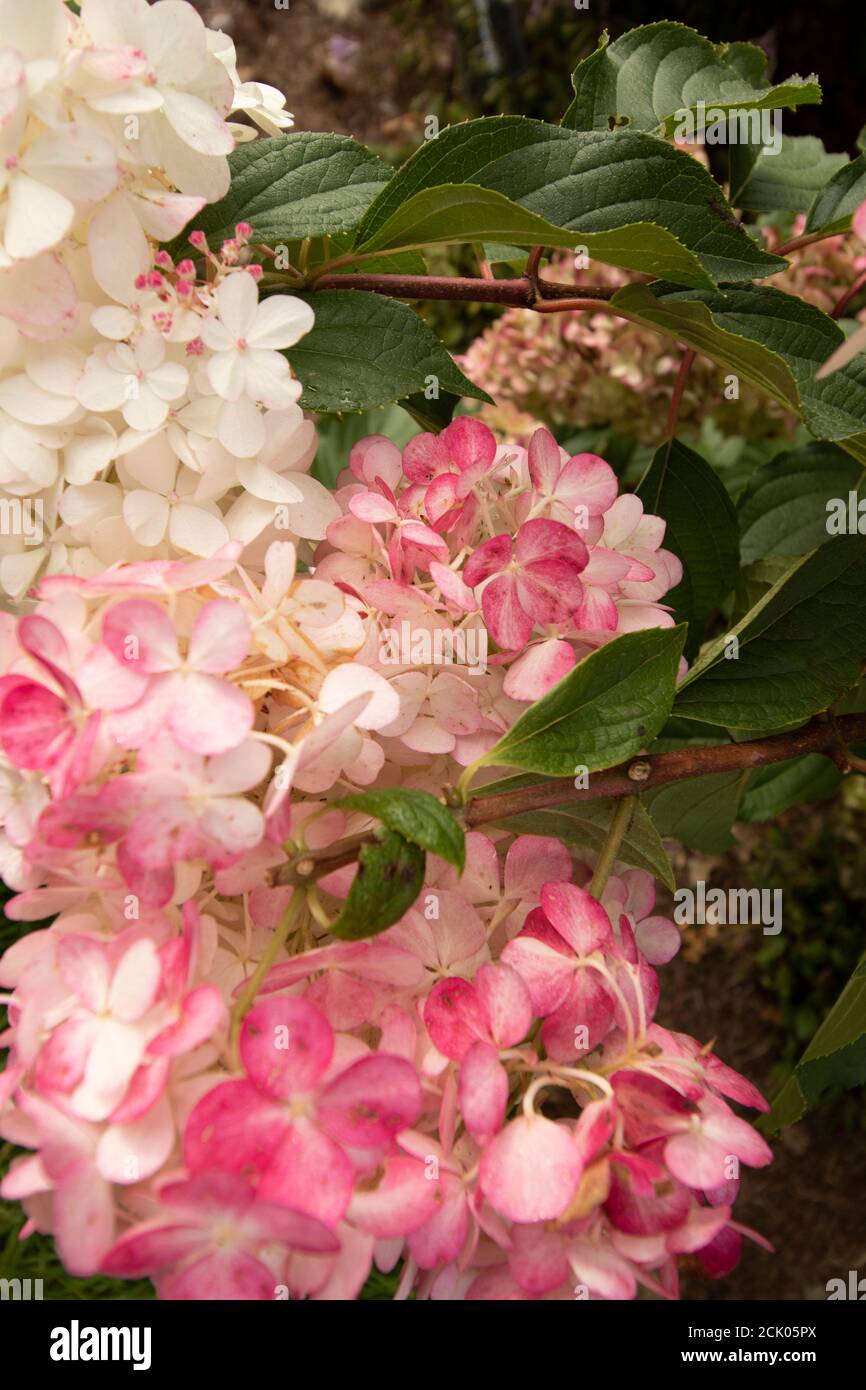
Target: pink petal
point(371, 507)
point(538, 669)
point(469, 443)
point(513, 1164)
point(545, 461)
point(541, 541)
point(483, 1091)
point(506, 1002)
point(441, 496)
point(424, 457)
point(286, 1045)
point(532, 861)
point(202, 1013)
point(37, 731)
point(140, 634)
point(207, 715)
point(578, 917)
point(402, 1199)
point(490, 557)
point(587, 1005)
point(234, 1129)
point(586, 480)
point(83, 1220)
point(545, 971)
point(596, 612)
point(151, 1246)
point(443, 1236)
point(61, 1063)
point(227, 1274)
point(220, 637)
point(84, 966)
point(376, 457)
point(602, 1270)
point(455, 1017)
point(135, 1151)
point(371, 1101)
point(537, 1258)
point(309, 1173)
point(697, 1161)
point(452, 587)
point(509, 623)
point(658, 939)
point(43, 641)
point(135, 982)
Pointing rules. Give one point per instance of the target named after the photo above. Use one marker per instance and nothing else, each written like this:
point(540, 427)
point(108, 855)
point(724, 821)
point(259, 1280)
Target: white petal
point(118, 249)
point(280, 322)
point(196, 123)
point(264, 483)
point(37, 219)
point(146, 515)
point(238, 301)
point(241, 428)
point(75, 162)
point(196, 531)
point(144, 411)
point(312, 516)
point(113, 322)
point(31, 405)
point(88, 453)
point(227, 374)
point(169, 381)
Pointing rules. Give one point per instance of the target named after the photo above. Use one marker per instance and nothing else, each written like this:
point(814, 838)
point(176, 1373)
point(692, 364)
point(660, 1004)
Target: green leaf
point(783, 510)
point(366, 350)
point(495, 253)
point(607, 709)
point(584, 182)
point(800, 647)
point(655, 73)
point(772, 790)
point(463, 212)
point(585, 825)
point(837, 202)
point(787, 180)
point(699, 813)
point(836, 1057)
point(774, 340)
point(431, 414)
point(417, 816)
point(389, 878)
point(293, 186)
point(701, 530)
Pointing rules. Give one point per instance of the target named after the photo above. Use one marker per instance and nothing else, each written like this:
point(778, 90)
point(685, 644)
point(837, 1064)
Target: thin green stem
point(615, 836)
point(280, 935)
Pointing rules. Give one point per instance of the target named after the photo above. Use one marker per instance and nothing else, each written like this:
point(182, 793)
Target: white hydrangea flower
point(147, 409)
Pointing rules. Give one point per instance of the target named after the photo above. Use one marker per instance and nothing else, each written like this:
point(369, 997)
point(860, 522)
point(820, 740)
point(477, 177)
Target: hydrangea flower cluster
point(525, 545)
point(144, 412)
point(219, 1095)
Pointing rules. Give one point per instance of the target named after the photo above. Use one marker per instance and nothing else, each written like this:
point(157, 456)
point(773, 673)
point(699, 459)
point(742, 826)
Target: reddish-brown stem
point(519, 293)
point(798, 242)
point(644, 773)
point(559, 306)
point(851, 293)
point(656, 770)
point(533, 261)
point(679, 387)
